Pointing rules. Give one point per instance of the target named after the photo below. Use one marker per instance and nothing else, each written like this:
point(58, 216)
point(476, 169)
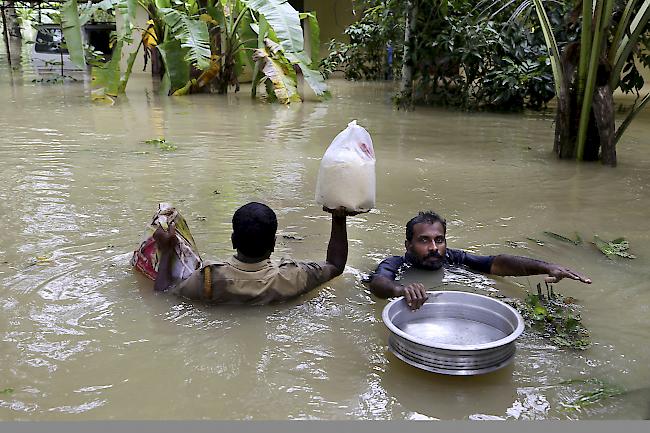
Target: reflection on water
point(83, 337)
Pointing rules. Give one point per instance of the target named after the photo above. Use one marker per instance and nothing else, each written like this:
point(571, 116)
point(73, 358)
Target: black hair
point(428, 217)
point(253, 229)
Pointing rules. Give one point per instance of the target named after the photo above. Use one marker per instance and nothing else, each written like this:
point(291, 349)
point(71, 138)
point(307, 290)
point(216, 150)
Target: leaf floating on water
point(597, 390)
point(617, 247)
point(515, 244)
point(576, 241)
point(293, 238)
point(7, 391)
point(161, 144)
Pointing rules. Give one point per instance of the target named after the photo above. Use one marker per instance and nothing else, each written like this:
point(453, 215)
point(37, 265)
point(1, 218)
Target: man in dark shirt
point(426, 248)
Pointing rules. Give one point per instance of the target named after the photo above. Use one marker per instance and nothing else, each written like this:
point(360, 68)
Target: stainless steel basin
point(454, 333)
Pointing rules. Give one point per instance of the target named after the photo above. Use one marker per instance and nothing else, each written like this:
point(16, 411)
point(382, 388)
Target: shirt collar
point(248, 267)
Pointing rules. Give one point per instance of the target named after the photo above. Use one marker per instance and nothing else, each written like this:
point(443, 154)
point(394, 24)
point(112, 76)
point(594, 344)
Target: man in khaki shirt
point(249, 277)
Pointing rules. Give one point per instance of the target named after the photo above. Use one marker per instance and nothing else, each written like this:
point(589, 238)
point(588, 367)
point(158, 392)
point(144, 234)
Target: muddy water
point(83, 336)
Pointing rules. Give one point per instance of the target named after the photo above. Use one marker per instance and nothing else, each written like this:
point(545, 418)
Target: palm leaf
point(193, 35)
point(72, 32)
point(551, 45)
point(629, 41)
point(630, 116)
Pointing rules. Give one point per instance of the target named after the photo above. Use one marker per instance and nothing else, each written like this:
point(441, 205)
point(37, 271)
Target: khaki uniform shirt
point(236, 282)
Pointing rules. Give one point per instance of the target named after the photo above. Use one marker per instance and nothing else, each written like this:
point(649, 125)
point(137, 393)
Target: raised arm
point(165, 242)
point(507, 265)
point(337, 249)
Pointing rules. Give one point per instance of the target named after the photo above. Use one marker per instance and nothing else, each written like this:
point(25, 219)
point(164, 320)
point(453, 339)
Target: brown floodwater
point(83, 337)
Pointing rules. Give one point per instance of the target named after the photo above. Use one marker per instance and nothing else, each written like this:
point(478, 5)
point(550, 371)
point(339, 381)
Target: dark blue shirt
point(390, 266)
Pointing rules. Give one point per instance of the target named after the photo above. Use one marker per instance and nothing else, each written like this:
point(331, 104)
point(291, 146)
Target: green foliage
point(462, 57)
point(72, 32)
point(617, 247)
point(279, 76)
point(364, 57)
point(554, 317)
point(7, 391)
point(193, 35)
point(161, 144)
point(595, 391)
point(576, 241)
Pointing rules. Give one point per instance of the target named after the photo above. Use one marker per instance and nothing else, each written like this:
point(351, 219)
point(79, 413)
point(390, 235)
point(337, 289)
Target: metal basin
point(455, 333)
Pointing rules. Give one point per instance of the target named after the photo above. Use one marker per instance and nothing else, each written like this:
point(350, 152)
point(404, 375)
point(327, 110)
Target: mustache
point(434, 254)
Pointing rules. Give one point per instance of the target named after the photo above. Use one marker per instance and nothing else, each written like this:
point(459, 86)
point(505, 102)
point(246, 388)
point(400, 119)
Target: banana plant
point(201, 42)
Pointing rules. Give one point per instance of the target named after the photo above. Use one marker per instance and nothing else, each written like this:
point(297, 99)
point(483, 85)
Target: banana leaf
point(279, 75)
point(192, 34)
point(72, 32)
point(314, 37)
point(129, 67)
point(89, 10)
point(283, 19)
point(106, 78)
point(128, 10)
point(177, 69)
point(315, 80)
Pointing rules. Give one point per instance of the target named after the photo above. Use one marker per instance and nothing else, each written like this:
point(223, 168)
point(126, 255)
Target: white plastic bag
point(347, 171)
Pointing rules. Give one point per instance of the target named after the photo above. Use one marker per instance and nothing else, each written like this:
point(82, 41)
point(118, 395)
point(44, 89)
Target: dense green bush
point(462, 56)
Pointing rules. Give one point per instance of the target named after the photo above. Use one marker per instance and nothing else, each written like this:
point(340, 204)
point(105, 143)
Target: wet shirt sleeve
point(388, 267)
point(191, 287)
point(296, 278)
point(472, 261)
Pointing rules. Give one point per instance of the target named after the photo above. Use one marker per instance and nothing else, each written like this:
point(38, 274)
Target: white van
point(48, 56)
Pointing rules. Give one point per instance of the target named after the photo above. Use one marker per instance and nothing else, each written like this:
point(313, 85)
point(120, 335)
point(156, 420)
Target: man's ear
point(233, 239)
point(407, 244)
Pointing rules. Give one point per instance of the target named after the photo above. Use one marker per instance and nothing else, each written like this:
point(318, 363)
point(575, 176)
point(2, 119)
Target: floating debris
point(599, 391)
point(576, 241)
point(516, 244)
point(555, 317)
point(161, 144)
point(293, 238)
point(617, 247)
point(7, 391)
point(537, 241)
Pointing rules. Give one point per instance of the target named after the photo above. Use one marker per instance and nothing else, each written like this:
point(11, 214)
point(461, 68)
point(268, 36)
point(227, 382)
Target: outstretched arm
point(505, 264)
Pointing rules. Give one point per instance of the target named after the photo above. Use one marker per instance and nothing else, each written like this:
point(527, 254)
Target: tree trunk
point(405, 96)
point(13, 26)
point(600, 132)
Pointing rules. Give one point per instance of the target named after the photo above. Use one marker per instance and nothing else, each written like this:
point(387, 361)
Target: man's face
point(428, 246)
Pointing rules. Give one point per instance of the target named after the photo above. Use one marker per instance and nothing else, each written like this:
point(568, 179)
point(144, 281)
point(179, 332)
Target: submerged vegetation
point(555, 317)
point(592, 391)
point(161, 144)
point(204, 46)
